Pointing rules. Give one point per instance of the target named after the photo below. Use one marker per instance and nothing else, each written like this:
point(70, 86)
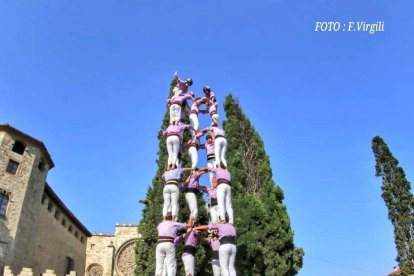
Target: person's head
point(214, 124)
point(188, 82)
point(213, 233)
point(206, 89)
point(168, 216)
point(214, 181)
point(209, 138)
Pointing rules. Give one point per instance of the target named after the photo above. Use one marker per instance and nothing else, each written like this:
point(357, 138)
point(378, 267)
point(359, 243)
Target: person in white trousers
point(223, 192)
point(181, 86)
point(195, 110)
point(220, 144)
point(192, 189)
point(165, 250)
point(211, 157)
point(212, 203)
point(193, 145)
point(214, 243)
point(174, 134)
point(177, 105)
point(188, 257)
point(171, 191)
point(228, 249)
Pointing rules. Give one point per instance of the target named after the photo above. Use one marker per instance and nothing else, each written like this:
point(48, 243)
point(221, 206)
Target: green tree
point(152, 214)
point(399, 201)
point(265, 239)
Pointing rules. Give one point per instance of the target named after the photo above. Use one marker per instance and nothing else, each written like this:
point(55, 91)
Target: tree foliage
point(265, 239)
point(396, 192)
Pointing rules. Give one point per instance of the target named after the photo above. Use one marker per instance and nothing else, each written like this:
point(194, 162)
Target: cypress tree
point(152, 214)
point(265, 239)
point(399, 201)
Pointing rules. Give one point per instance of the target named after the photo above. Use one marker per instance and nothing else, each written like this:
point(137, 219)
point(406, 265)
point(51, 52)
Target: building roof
point(62, 206)
point(8, 128)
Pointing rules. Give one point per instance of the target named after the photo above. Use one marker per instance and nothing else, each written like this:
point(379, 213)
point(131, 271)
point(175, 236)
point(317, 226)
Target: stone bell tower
point(24, 164)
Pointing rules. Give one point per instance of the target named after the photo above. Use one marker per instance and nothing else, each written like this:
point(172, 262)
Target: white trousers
point(175, 113)
point(220, 148)
point(214, 214)
point(171, 194)
point(193, 153)
point(191, 199)
point(194, 120)
point(215, 118)
point(227, 256)
point(173, 147)
point(188, 261)
point(224, 201)
point(165, 251)
point(210, 164)
point(215, 264)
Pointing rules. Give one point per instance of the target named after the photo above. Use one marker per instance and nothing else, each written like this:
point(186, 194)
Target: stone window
point(57, 214)
point(95, 270)
point(70, 228)
point(69, 265)
point(12, 167)
point(76, 234)
point(82, 239)
point(4, 201)
point(41, 166)
point(92, 246)
point(18, 147)
point(50, 207)
point(64, 222)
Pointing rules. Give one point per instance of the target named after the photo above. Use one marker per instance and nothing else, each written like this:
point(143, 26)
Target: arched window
point(18, 147)
point(4, 201)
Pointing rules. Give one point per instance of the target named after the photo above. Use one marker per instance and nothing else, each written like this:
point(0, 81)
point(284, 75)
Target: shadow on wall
point(5, 241)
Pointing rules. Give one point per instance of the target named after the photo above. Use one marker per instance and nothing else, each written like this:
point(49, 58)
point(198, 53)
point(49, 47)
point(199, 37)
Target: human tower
point(222, 234)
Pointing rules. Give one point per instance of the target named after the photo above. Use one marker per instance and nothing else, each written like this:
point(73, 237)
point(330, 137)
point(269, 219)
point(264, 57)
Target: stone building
point(37, 230)
point(108, 254)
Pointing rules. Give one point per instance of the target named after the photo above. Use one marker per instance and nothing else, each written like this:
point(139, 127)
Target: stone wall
point(108, 254)
point(100, 255)
point(29, 272)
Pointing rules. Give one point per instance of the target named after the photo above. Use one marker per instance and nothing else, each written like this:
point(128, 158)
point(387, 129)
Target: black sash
point(213, 202)
point(228, 239)
point(192, 190)
point(190, 249)
point(172, 182)
point(165, 239)
point(211, 156)
point(223, 181)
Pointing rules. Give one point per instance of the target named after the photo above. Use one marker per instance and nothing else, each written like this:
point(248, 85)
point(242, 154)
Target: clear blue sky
point(90, 79)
